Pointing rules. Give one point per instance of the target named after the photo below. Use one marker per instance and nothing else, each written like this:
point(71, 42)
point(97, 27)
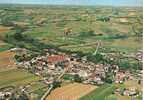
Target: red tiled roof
point(56, 58)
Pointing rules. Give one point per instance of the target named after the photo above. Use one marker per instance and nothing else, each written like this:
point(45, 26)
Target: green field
point(5, 47)
point(100, 93)
point(16, 78)
point(49, 22)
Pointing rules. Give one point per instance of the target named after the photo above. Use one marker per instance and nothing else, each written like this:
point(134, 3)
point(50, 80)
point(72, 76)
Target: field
point(2, 43)
point(11, 76)
point(17, 78)
point(71, 92)
point(7, 60)
point(49, 26)
point(100, 93)
point(4, 29)
point(133, 84)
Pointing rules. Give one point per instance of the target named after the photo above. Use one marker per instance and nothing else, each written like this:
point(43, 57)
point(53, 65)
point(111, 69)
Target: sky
point(78, 2)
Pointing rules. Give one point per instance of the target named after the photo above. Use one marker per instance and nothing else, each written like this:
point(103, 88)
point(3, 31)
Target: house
point(84, 59)
point(51, 66)
point(119, 77)
point(98, 81)
point(100, 71)
point(2, 95)
point(82, 73)
point(126, 92)
point(139, 55)
point(129, 92)
point(49, 80)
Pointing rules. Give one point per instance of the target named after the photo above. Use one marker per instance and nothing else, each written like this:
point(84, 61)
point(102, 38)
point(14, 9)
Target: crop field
point(133, 84)
point(18, 77)
point(2, 43)
point(4, 29)
point(71, 92)
point(100, 93)
point(5, 47)
point(7, 60)
point(49, 23)
point(15, 77)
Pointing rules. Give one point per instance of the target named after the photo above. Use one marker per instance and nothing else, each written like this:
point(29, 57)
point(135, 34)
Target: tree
point(95, 58)
point(77, 78)
point(23, 96)
point(19, 30)
point(104, 19)
point(13, 97)
point(18, 58)
point(56, 84)
point(139, 82)
point(138, 31)
point(67, 31)
point(109, 77)
point(129, 64)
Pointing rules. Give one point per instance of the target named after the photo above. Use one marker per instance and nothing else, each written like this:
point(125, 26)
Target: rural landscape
point(60, 52)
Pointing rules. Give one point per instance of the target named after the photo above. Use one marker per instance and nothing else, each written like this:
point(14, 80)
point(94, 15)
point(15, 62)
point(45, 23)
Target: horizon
point(130, 3)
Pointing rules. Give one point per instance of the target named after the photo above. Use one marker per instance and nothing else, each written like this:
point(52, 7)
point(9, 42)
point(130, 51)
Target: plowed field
point(70, 92)
point(6, 60)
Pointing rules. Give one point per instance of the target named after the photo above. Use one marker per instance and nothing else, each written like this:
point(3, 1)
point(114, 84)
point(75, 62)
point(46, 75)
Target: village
point(52, 66)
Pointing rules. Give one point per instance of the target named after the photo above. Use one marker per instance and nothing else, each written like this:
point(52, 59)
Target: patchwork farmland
point(98, 50)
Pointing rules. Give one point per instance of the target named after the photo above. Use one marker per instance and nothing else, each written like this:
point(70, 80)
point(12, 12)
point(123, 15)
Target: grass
point(128, 44)
point(111, 97)
point(5, 47)
point(16, 78)
point(100, 93)
point(40, 92)
point(68, 77)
